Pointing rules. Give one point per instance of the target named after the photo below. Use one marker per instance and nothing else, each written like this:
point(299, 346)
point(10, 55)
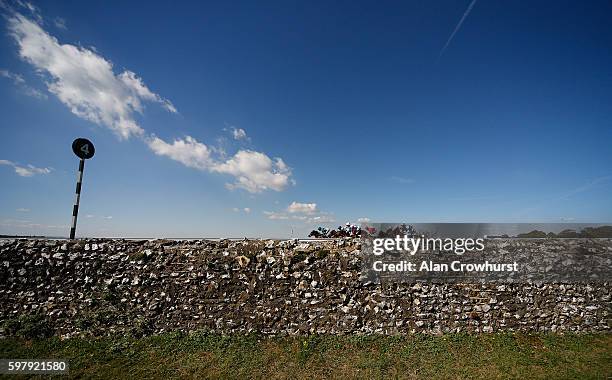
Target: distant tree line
point(588, 232)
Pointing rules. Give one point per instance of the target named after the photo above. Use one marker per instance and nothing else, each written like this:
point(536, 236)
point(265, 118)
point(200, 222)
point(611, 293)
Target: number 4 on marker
point(85, 149)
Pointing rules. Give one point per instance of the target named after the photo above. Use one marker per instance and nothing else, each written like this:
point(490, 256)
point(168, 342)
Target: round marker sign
point(83, 148)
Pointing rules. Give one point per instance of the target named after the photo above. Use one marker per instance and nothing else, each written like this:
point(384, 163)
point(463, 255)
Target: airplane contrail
point(465, 14)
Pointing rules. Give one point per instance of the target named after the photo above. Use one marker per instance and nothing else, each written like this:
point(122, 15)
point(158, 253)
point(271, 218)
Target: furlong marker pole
point(77, 198)
point(84, 150)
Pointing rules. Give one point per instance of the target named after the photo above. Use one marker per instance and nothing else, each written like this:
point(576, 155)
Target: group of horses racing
point(352, 230)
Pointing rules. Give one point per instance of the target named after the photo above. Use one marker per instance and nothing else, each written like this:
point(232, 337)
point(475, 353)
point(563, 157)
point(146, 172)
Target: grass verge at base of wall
point(203, 355)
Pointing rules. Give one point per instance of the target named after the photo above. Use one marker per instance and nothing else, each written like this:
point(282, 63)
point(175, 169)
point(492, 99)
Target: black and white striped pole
point(84, 149)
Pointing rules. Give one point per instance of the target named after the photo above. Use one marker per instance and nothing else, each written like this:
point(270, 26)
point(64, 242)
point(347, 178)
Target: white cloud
point(239, 133)
point(304, 208)
point(255, 171)
point(83, 80)
point(18, 81)
point(236, 209)
point(187, 151)
point(26, 171)
point(247, 210)
point(363, 220)
point(30, 170)
point(21, 209)
point(109, 217)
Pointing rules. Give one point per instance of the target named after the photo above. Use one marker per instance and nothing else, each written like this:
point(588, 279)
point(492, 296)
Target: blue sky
point(265, 120)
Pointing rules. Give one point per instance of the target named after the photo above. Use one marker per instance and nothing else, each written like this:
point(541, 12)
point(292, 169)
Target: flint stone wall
point(103, 287)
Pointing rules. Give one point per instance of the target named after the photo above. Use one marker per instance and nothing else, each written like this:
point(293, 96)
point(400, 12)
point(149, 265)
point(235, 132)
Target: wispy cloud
point(587, 186)
point(475, 198)
point(321, 219)
point(26, 171)
point(30, 8)
point(465, 15)
point(104, 217)
point(18, 223)
point(309, 213)
point(401, 180)
point(59, 23)
point(16, 78)
point(21, 209)
point(20, 83)
point(276, 215)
